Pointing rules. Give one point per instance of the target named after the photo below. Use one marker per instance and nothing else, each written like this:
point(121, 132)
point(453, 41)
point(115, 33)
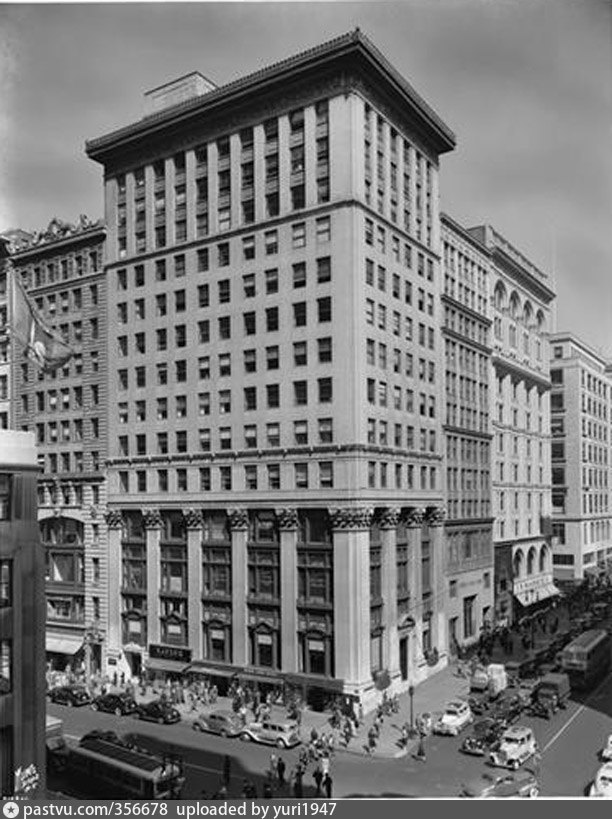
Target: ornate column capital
point(238, 517)
point(388, 517)
point(151, 518)
point(193, 518)
point(351, 517)
point(415, 518)
point(113, 518)
point(287, 518)
point(435, 515)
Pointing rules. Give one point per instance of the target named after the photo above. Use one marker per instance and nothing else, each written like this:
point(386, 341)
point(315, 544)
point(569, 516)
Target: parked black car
point(70, 695)
point(158, 711)
point(508, 708)
point(118, 704)
point(485, 736)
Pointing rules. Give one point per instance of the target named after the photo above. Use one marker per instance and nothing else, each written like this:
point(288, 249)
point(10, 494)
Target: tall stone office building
point(581, 426)
point(467, 434)
point(276, 401)
point(520, 406)
point(61, 267)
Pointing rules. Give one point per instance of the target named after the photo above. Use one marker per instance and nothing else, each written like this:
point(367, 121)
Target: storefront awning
point(68, 644)
point(210, 671)
point(172, 666)
point(529, 598)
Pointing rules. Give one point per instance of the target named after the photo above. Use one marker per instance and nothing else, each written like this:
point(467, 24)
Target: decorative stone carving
point(113, 518)
point(238, 517)
point(151, 518)
point(287, 518)
point(351, 517)
point(435, 515)
point(415, 518)
point(389, 517)
point(193, 518)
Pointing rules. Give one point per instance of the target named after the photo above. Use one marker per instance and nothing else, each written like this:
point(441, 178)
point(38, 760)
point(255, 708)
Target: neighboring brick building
point(62, 269)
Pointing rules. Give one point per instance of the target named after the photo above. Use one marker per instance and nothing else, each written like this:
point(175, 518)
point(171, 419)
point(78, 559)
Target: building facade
point(275, 447)
point(22, 670)
point(466, 332)
point(580, 426)
point(521, 479)
point(62, 270)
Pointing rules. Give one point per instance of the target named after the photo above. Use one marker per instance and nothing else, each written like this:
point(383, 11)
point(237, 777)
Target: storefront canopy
point(537, 595)
point(68, 644)
point(171, 666)
point(210, 671)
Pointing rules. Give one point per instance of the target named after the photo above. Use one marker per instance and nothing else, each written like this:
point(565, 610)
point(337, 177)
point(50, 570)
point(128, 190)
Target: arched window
point(543, 554)
point(531, 560)
point(499, 296)
point(515, 306)
point(517, 564)
point(528, 314)
point(540, 322)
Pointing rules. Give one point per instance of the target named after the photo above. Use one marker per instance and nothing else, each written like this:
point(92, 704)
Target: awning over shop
point(210, 671)
point(68, 644)
point(529, 598)
point(173, 666)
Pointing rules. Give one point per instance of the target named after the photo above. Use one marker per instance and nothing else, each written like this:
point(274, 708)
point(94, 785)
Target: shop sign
point(181, 655)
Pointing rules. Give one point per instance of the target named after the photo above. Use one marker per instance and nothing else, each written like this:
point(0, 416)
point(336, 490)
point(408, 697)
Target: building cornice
point(514, 368)
point(352, 49)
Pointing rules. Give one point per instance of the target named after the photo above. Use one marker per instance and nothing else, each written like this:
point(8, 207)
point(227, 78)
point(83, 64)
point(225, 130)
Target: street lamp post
point(411, 695)
point(92, 636)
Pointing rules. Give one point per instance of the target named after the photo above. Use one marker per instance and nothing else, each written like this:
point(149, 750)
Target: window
point(299, 275)
point(225, 477)
point(273, 435)
point(225, 327)
point(272, 358)
point(6, 588)
point(250, 398)
point(299, 314)
point(326, 433)
point(323, 229)
point(324, 309)
point(271, 242)
point(298, 235)
point(248, 285)
point(223, 254)
point(300, 393)
point(301, 475)
point(323, 270)
point(300, 357)
point(271, 319)
point(300, 432)
point(179, 301)
point(273, 396)
point(250, 326)
point(325, 390)
point(271, 281)
point(6, 663)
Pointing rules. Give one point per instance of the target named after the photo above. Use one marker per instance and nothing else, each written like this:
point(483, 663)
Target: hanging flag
point(41, 343)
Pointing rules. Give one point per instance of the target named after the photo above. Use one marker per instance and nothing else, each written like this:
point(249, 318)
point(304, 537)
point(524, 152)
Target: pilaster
point(387, 522)
point(351, 545)
point(239, 527)
point(435, 521)
point(193, 524)
point(414, 523)
point(152, 523)
point(287, 519)
point(114, 523)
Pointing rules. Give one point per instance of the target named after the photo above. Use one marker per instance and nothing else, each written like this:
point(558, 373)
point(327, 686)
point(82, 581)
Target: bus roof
point(588, 638)
point(128, 756)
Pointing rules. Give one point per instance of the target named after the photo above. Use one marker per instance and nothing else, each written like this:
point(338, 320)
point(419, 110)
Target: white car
point(517, 745)
point(602, 785)
point(457, 716)
point(606, 753)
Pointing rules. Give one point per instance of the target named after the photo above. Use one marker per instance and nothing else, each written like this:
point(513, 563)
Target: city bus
point(109, 767)
point(587, 658)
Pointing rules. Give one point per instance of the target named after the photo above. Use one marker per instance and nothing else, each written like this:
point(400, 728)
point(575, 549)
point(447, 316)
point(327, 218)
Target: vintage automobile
point(224, 723)
point(158, 711)
point(117, 704)
point(457, 716)
point(525, 689)
point(522, 784)
point(283, 735)
point(484, 738)
point(517, 745)
point(70, 695)
point(508, 708)
point(606, 752)
point(602, 784)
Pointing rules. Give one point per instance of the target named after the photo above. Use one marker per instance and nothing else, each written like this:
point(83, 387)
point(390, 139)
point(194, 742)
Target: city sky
point(526, 85)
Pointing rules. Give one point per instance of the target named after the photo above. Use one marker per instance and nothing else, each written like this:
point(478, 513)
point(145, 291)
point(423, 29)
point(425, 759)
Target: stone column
point(414, 524)
point(288, 526)
point(193, 524)
point(239, 527)
point(114, 523)
point(153, 524)
point(388, 520)
point(435, 521)
point(351, 539)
